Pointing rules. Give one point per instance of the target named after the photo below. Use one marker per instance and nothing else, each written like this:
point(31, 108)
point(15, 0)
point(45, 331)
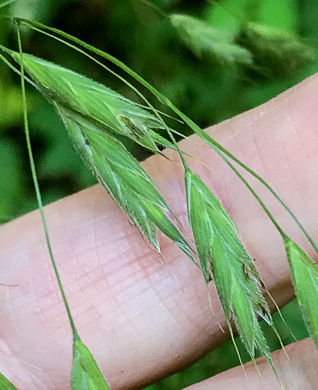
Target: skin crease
point(143, 319)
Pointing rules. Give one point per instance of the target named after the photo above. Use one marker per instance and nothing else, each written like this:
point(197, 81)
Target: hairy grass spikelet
point(93, 115)
point(123, 177)
point(110, 110)
point(224, 259)
point(305, 279)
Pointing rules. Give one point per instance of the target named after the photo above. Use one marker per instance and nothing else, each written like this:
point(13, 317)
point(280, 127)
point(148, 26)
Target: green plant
point(92, 136)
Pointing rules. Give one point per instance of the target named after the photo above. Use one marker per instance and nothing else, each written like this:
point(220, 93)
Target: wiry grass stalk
point(37, 188)
point(224, 152)
point(85, 372)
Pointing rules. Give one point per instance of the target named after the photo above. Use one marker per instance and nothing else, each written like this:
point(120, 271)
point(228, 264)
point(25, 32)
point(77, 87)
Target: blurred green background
point(234, 56)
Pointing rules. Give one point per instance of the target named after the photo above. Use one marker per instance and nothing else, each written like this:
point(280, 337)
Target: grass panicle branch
point(135, 193)
point(223, 153)
point(166, 101)
point(94, 116)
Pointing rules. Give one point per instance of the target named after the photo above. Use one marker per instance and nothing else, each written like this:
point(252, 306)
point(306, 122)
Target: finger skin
point(143, 319)
point(298, 373)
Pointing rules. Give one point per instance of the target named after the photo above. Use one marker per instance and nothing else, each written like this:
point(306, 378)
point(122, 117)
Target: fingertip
point(297, 372)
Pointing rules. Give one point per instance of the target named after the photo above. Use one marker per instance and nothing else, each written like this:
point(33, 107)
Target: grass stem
point(37, 189)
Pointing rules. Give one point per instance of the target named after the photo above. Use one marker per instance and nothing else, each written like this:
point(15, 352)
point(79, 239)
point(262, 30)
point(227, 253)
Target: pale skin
point(143, 319)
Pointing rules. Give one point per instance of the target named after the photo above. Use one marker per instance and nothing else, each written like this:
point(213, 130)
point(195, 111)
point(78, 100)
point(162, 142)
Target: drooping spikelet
point(111, 111)
point(93, 114)
point(305, 279)
point(224, 259)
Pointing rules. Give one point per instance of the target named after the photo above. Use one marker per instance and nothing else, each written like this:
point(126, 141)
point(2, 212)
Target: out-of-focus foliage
point(205, 40)
point(276, 53)
point(206, 89)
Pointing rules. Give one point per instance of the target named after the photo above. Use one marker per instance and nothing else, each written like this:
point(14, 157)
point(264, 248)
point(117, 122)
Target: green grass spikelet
point(223, 257)
point(93, 115)
point(110, 110)
point(85, 371)
point(305, 279)
point(124, 179)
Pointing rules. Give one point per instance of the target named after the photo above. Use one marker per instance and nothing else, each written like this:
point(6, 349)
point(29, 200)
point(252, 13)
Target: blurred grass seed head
point(205, 40)
point(276, 53)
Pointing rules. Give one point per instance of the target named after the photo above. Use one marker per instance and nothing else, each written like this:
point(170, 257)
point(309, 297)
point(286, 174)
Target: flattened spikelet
point(224, 258)
point(110, 110)
point(124, 179)
point(305, 279)
point(93, 115)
